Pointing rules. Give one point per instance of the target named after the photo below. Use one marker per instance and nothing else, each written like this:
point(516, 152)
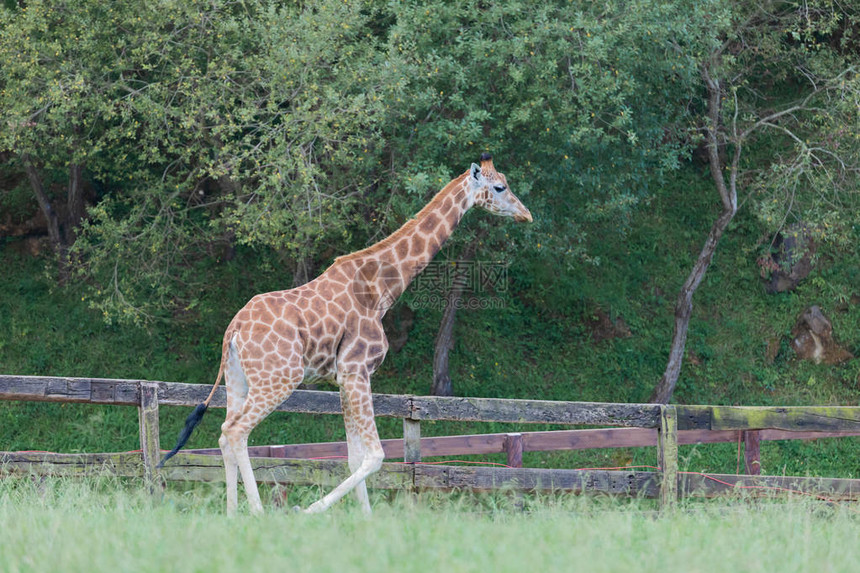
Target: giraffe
point(331, 328)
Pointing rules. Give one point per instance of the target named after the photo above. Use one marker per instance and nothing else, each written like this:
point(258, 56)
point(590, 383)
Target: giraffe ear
point(475, 172)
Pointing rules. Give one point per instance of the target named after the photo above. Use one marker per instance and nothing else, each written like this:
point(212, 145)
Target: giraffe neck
point(393, 262)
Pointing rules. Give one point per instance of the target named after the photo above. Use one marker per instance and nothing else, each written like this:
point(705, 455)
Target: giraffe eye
point(499, 188)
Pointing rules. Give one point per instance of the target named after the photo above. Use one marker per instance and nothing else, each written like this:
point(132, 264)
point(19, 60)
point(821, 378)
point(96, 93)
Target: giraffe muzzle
point(524, 217)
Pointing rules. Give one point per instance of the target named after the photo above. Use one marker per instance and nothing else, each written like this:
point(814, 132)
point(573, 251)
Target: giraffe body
point(331, 328)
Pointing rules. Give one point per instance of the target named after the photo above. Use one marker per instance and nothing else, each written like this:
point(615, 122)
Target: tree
point(571, 99)
point(54, 82)
point(778, 79)
point(201, 123)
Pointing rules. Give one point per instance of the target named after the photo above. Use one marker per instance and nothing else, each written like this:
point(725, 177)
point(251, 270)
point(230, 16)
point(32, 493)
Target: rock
point(790, 259)
point(812, 339)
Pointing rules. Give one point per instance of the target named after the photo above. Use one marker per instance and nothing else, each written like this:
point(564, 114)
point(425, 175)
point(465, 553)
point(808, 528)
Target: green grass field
point(105, 525)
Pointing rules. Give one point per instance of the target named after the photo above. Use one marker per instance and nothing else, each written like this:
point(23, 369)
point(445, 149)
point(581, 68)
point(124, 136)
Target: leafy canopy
point(305, 130)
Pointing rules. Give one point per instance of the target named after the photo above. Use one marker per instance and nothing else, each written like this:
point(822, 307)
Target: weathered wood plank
point(71, 465)
point(712, 485)
point(311, 401)
point(253, 451)
point(752, 452)
point(771, 435)
point(411, 441)
point(535, 411)
point(193, 467)
point(477, 444)
point(441, 408)
point(397, 476)
point(481, 479)
point(532, 442)
point(514, 449)
point(794, 418)
point(724, 418)
point(306, 401)
point(328, 473)
point(149, 437)
point(190, 467)
point(71, 389)
point(58, 389)
point(667, 455)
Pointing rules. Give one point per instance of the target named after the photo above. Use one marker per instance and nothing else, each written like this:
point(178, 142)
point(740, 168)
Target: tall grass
point(105, 525)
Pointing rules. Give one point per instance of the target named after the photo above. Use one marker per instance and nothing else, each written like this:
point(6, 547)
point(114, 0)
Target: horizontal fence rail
point(641, 425)
point(328, 473)
point(127, 393)
point(548, 441)
point(792, 418)
point(195, 467)
point(427, 408)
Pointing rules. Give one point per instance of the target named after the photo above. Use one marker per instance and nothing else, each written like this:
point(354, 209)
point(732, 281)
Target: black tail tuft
point(190, 423)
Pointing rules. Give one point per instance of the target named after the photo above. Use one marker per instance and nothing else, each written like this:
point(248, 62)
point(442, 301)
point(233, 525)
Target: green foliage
point(16, 199)
point(558, 92)
point(789, 81)
point(203, 123)
point(299, 130)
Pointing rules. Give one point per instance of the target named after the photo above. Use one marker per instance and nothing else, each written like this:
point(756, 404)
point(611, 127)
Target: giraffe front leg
point(356, 452)
point(356, 389)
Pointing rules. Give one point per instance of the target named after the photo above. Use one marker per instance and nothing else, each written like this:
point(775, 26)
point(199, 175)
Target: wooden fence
point(666, 427)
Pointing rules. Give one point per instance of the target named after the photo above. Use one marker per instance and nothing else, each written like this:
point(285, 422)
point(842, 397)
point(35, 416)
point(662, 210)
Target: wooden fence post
point(667, 453)
point(514, 449)
point(412, 446)
point(411, 441)
point(149, 442)
point(752, 452)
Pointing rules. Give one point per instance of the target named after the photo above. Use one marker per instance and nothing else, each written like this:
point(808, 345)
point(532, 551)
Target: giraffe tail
point(192, 420)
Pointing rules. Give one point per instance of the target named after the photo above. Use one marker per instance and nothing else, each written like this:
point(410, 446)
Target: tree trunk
point(44, 203)
point(303, 272)
point(442, 385)
point(684, 310)
point(728, 194)
point(75, 202)
point(55, 234)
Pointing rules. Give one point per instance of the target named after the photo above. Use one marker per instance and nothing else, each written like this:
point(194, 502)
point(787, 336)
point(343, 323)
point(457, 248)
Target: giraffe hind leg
point(261, 399)
point(231, 469)
point(237, 392)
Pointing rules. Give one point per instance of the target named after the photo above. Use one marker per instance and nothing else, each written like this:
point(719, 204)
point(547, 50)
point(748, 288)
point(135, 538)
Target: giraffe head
point(490, 191)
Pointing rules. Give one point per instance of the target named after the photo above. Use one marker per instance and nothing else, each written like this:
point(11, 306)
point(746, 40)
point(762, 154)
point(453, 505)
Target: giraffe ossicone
point(331, 328)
